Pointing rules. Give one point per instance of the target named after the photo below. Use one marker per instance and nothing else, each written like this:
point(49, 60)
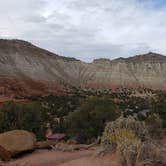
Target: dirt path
point(107, 160)
point(57, 158)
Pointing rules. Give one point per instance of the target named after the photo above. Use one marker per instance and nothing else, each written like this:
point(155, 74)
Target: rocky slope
point(28, 70)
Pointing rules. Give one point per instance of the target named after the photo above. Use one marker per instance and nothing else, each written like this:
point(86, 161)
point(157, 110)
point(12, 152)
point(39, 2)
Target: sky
point(87, 29)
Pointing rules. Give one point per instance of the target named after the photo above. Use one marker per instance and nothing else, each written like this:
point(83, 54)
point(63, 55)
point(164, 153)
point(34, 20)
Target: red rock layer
point(14, 87)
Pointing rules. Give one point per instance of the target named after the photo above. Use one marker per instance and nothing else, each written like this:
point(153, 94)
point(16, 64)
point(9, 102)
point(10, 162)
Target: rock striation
point(27, 70)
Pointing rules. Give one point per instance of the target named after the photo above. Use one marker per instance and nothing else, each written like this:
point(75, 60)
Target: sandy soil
point(107, 160)
point(57, 158)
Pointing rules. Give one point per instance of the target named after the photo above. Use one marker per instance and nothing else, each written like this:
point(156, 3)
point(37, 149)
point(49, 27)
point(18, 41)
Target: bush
point(30, 116)
point(151, 154)
point(89, 121)
point(154, 124)
point(120, 135)
point(127, 152)
point(154, 121)
point(128, 127)
point(132, 149)
point(133, 152)
point(159, 107)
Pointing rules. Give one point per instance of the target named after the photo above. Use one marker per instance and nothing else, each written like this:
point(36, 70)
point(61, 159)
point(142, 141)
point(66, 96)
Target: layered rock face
point(27, 70)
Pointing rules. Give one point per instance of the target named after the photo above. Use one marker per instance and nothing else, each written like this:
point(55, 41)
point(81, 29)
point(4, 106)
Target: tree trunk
point(45, 144)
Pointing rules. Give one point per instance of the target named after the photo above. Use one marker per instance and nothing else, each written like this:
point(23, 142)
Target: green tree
point(29, 116)
point(90, 120)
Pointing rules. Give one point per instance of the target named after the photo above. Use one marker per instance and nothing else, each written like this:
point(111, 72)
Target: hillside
point(27, 70)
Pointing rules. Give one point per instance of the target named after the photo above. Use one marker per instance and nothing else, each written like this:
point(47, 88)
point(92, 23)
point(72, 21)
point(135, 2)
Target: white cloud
point(86, 29)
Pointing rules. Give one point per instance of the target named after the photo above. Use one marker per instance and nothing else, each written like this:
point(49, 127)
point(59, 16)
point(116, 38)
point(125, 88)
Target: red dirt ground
point(57, 158)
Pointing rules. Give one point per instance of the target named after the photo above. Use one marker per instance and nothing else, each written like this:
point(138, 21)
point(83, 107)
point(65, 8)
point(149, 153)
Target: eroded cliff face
point(27, 70)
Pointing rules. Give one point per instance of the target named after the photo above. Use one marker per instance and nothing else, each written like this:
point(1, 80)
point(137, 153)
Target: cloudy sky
point(87, 29)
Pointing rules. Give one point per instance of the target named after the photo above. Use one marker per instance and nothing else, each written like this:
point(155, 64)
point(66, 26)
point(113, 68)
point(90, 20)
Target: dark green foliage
point(159, 107)
point(59, 107)
point(89, 121)
point(134, 105)
point(31, 117)
point(79, 115)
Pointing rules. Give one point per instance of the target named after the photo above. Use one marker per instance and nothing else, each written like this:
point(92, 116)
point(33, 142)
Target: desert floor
point(58, 158)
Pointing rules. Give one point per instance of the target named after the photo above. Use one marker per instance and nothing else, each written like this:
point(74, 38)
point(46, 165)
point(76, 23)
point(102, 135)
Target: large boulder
point(17, 141)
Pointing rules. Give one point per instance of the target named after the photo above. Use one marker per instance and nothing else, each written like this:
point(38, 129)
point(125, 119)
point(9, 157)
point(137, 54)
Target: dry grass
point(151, 154)
point(127, 152)
point(121, 129)
point(133, 146)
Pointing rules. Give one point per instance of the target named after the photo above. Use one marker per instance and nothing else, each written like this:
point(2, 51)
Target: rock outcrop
point(26, 70)
point(15, 142)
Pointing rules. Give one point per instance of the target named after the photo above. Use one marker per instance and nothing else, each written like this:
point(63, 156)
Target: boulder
point(17, 141)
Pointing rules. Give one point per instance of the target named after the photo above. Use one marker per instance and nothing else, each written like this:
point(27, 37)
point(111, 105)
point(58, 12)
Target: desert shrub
point(89, 121)
point(159, 107)
point(29, 116)
point(154, 121)
point(154, 124)
point(61, 105)
point(151, 154)
point(127, 151)
point(132, 147)
point(120, 135)
point(58, 107)
point(134, 105)
point(133, 152)
point(129, 127)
